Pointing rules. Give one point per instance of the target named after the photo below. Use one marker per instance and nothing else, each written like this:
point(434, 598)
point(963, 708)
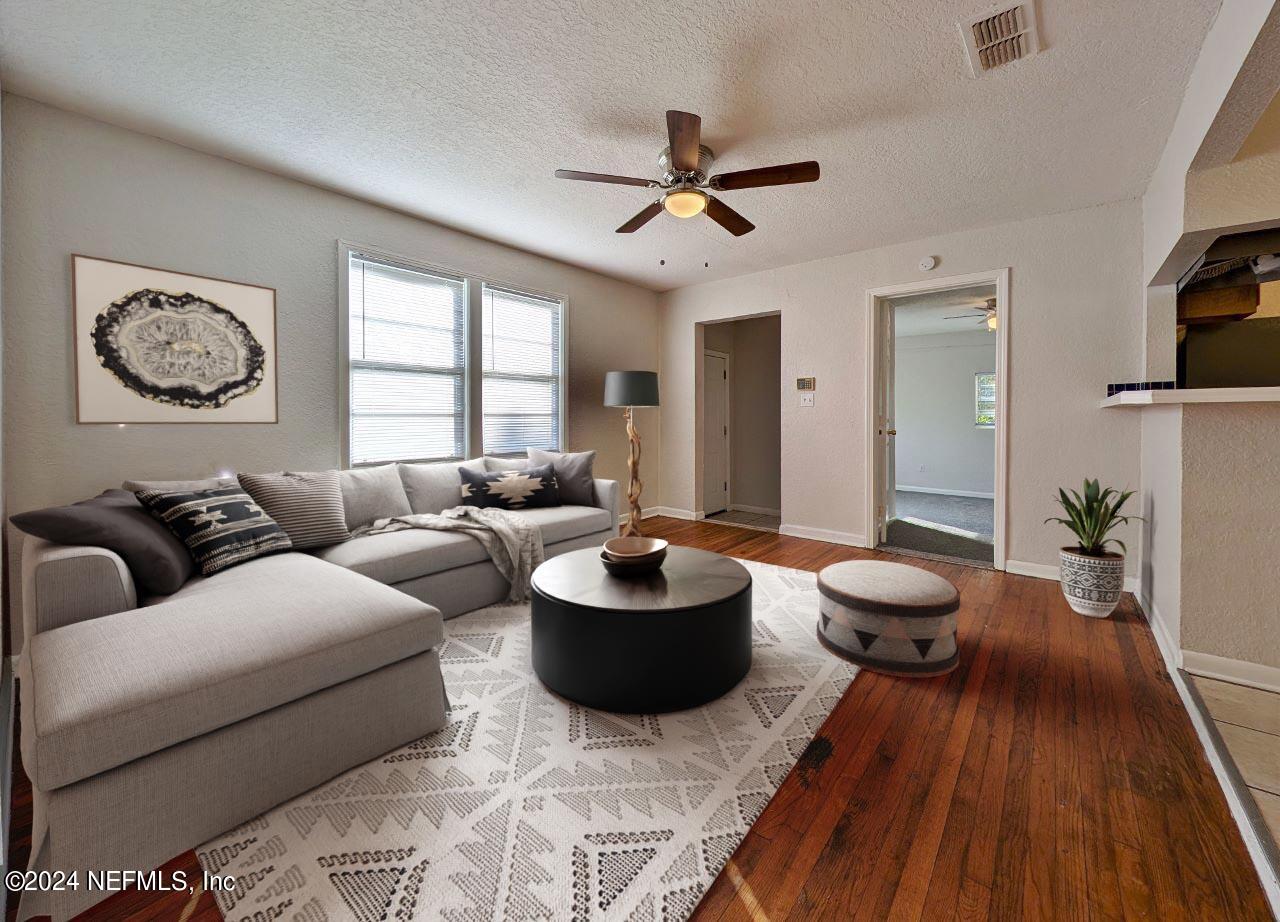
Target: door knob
point(891, 432)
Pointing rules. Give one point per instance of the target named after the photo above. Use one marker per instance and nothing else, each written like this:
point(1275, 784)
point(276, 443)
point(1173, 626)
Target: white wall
point(1074, 325)
point(75, 185)
point(1161, 508)
point(937, 446)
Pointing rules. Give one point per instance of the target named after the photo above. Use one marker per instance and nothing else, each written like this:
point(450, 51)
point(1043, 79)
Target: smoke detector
point(1001, 38)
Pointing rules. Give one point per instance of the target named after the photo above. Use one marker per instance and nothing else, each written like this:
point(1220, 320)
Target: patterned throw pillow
point(220, 528)
point(531, 488)
point(307, 506)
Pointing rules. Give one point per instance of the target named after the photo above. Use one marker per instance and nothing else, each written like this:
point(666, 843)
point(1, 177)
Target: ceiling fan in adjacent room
point(685, 164)
point(988, 318)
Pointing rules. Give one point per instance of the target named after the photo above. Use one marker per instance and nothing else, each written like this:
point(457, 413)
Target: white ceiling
point(459, 112)
point(927, 314)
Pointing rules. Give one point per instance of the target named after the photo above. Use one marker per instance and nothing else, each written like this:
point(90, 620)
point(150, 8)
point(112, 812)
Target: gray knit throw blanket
point(513, 542)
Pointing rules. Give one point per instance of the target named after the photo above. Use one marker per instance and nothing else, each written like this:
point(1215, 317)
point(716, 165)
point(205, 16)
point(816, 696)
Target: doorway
point(936, 432)
point(742, 422)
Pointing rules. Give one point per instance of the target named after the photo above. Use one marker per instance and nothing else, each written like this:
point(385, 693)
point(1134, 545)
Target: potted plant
point(1093, 577)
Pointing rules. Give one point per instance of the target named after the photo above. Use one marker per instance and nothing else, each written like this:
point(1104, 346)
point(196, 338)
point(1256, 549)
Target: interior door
point(715, 434)
point(886, 474)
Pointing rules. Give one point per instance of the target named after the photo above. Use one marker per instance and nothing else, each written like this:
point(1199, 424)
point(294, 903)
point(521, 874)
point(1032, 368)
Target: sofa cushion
point(436, 487)
point(222, 649)
point(180, 486)
point(399, 555)
point(561, 523)
point(308, 506)
point(221, 528)
point(573, 474)
point(531, 488)
point(158, 561)
point(493, 464)
point(372, 493)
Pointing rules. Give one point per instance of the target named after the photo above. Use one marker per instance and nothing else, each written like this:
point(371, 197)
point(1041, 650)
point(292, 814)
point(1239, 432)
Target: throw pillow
point(372, 493)
point(116, 520)
point(532, 488)
point(307, 506)
point(435, 487)
point(179, 486)
point(492, 464)
point(220, 528)
point(574, 474)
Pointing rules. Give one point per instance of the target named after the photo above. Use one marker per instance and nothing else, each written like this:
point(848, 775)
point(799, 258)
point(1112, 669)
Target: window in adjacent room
point(984, 400)
point(523, 378)
point(406, 362)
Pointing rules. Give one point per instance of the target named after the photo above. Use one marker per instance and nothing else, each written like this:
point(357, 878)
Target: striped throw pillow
point(307, 506)
point(220, 528)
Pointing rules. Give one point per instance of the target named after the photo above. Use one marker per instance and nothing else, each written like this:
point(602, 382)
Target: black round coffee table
point(670, 640)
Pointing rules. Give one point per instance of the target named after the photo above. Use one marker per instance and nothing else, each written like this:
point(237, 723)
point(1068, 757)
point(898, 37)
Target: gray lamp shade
point(631, 389)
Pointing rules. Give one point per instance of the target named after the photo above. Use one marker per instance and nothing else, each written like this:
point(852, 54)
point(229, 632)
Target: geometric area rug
point(527, 806)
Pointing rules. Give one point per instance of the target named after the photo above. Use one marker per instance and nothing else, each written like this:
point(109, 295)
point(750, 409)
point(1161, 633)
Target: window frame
point(977, 397)
point(472, 333)
point(560, 351)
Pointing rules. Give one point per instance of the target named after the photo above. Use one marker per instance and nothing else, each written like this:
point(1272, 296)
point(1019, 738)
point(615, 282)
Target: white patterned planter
point(1092, 585)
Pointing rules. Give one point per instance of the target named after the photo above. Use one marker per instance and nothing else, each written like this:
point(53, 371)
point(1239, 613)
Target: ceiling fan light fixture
point(991, 321)
point(685, 203)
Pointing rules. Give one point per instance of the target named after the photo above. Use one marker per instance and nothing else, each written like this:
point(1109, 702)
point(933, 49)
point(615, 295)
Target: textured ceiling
point(459, 112)
point(926, 314)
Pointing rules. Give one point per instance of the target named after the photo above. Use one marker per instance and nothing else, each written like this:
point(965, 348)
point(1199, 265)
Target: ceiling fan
point(988, 311)
point(685, 163)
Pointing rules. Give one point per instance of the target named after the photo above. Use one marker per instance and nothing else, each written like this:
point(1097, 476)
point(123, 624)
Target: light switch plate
point(806, 398)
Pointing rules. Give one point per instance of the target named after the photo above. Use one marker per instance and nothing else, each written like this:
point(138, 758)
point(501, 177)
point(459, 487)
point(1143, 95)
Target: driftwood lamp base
point(634, 486)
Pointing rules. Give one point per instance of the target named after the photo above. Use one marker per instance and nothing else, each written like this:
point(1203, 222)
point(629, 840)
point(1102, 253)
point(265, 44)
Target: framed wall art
point(154, 346)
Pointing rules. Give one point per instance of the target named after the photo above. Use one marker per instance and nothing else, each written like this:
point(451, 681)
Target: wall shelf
point(1194, 395)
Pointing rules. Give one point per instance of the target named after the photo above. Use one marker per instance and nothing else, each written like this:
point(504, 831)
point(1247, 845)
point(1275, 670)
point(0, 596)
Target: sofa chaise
point(150, 725)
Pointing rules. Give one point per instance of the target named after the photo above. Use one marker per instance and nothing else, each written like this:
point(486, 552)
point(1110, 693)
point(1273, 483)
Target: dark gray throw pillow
point(531, 488)
point(159, 562)
point(308, 506)
point(220, 528)
point(573, 474)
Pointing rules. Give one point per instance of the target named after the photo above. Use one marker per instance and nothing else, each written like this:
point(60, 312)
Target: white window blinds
point(407, 363)
point(522, 361)
point(984, 400)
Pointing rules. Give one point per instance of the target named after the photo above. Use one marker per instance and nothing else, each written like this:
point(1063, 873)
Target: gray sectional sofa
point(151, 725)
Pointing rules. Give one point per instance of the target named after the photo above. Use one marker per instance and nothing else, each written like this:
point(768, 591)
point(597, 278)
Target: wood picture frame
point(154, 345)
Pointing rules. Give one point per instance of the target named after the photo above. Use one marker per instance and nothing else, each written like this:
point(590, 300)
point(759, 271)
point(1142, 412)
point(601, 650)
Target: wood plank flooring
point(1053, 774)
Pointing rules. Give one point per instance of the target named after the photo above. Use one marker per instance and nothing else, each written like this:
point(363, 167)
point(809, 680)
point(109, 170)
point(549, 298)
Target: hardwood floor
point(1053, 774)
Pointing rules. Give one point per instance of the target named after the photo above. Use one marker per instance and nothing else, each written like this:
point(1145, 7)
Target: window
point(984, 400)
point(521, 358)
point(406, 361)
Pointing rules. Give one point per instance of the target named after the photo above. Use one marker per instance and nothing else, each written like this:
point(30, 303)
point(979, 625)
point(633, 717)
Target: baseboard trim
point(1045, 571)
point(913, 489)
point(758, 510)
point(1170, 652)
point(823, 534)
point(1236, 671)
point(669, 511)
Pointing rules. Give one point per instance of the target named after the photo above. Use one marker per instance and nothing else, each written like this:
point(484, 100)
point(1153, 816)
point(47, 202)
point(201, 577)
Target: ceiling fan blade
point(640, 220)
point(684, 131)
point(604, 177)
point(781, 175)
point(727, 218)
point(960, 316)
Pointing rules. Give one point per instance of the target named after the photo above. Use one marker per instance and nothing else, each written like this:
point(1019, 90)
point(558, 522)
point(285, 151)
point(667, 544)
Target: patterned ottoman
point(889, 617)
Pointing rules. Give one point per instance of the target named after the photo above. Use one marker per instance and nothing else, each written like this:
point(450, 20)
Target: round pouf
point(889, 617)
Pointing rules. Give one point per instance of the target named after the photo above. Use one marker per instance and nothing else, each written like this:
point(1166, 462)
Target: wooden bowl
point(636, 567)
point(634, 548)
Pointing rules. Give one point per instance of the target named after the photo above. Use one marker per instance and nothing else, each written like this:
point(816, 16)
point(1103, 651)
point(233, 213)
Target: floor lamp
point(631, 389)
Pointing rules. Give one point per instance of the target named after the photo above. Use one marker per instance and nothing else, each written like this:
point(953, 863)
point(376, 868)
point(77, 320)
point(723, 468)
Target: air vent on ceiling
point(1001, 38)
